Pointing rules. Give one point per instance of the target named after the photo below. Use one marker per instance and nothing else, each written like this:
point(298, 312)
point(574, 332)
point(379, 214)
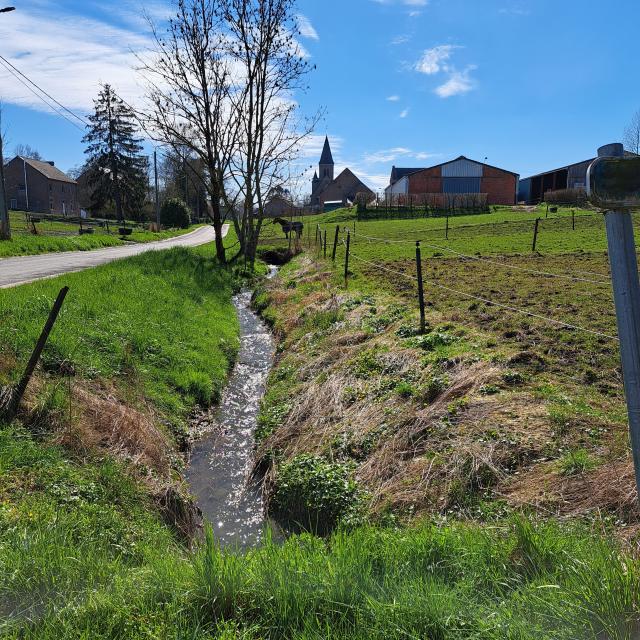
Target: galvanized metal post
point(626, 294)
point(423, 322)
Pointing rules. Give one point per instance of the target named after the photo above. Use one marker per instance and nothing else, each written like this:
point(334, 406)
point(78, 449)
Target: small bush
point(315, 495)
point(175, 214)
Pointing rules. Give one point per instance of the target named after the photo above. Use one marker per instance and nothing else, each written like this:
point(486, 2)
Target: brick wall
point(499, 186)
point(427, 181)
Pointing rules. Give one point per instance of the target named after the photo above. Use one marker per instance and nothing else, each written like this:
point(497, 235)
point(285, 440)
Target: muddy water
point(221, 461)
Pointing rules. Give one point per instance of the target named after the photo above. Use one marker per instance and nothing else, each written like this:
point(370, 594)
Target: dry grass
point(417, 454)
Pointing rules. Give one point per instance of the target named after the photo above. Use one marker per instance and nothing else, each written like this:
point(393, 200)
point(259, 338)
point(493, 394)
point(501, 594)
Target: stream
point(219, 471)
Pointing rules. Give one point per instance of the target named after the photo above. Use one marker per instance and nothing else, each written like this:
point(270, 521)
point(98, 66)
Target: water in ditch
point(219, 471)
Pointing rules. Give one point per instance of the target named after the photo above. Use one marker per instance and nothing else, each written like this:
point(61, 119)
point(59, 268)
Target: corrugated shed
point(461, 185)
point(462, 168)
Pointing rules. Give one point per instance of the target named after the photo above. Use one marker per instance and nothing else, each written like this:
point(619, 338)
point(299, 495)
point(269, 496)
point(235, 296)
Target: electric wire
point(12, 68)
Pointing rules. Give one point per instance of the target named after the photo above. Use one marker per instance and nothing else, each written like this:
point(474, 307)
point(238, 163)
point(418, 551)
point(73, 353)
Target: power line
point(12, 66)
point(490, 302)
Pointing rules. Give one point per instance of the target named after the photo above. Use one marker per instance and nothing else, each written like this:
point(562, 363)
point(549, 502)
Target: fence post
point(325, 244)
point(346, 260)
point(573, 219)
point(335, 243)
point(626, 294)
point(535, 235)
point(18, 392)
point(447, 229)
point(423, 323)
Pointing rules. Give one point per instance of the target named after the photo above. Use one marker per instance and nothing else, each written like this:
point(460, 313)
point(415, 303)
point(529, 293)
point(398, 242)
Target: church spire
point(326, 157)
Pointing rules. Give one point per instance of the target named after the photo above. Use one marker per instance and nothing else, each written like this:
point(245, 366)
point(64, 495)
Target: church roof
point(326, 157)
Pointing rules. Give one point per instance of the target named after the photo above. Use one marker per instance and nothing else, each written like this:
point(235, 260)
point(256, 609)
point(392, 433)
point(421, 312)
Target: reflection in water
point(221, 462)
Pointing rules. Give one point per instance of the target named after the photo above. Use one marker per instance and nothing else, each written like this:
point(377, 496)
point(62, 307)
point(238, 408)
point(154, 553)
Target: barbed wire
point(489, 261)
point(488, 301)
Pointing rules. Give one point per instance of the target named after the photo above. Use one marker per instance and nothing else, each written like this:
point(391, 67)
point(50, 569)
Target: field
point(513, 398)
point(62, 236)
point(471, 483)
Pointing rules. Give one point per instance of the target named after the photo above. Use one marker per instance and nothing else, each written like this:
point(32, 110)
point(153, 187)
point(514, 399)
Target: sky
point(530, 85)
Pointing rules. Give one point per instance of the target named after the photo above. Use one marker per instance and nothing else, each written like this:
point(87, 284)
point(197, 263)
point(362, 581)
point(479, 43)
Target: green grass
point(82, 555)
point(61, 236)
point(161, 323)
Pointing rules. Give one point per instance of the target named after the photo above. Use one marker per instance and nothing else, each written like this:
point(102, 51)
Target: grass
point(161, 325)
point(61, 236)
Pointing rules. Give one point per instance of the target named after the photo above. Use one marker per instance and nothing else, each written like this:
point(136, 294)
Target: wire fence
point(348, 253)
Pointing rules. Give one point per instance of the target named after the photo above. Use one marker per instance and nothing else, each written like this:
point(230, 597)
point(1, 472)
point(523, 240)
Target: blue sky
point(529, 84)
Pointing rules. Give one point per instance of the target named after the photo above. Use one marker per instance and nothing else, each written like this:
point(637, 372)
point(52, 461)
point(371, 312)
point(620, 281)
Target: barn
point(459, 176)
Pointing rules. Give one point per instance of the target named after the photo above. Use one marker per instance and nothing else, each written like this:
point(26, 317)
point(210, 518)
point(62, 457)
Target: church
point(344, 188)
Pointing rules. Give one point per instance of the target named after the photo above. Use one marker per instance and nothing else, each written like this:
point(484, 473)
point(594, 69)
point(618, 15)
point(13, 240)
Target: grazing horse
point(289, 227)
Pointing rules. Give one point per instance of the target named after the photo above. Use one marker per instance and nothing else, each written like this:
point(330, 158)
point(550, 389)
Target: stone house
point(39, 187)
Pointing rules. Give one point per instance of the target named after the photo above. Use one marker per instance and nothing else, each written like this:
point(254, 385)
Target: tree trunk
point(5, 227)
point(217, 227)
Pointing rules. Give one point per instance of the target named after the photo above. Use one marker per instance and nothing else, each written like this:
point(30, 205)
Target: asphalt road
point(23, 269)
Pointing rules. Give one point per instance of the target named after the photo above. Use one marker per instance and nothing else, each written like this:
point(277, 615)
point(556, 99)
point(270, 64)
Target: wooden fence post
point(423, 323)
point(335, 243)
point(447, 229)
point(18, 392)
point(346, 260)
point(535, 234)
point(573, 219)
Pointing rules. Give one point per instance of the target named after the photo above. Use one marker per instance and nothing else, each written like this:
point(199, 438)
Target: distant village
point(38, 186)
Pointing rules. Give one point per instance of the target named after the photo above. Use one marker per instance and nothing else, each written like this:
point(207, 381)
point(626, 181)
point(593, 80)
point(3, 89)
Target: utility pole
point(608, 188)
point(155, 177)
point(5, 225)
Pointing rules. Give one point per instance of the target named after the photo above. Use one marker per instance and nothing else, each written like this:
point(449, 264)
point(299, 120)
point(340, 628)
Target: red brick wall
point(499, 186)
point(427, 181)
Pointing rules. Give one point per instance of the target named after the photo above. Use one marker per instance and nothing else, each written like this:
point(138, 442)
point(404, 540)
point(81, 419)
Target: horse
point(290, 227)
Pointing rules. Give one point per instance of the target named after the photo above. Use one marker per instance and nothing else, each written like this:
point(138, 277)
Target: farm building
point(573, 176)
point(345, 188)
point(461, 176)
point(40, 187)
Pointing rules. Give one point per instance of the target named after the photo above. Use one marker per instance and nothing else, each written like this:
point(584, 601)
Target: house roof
point(326, 157)
point(47, 170)
point(397, 173)
point(627, 154)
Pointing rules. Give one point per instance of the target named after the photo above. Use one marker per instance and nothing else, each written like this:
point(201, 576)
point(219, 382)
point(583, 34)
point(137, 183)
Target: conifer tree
point(117, 170)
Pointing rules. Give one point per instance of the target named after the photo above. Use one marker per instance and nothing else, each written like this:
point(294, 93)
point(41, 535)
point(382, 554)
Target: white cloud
point(71, 56)
point(392, 155)
point(401, 39)
point(435, 59)
point(307, 30)
point(459, 82)
point(393, 98)
point(404, 113)
point(516, 9)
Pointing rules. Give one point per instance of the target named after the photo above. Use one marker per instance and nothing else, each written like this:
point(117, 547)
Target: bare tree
point(190, 81)
point(27, 151)
point(263, 41)
point(632, 134)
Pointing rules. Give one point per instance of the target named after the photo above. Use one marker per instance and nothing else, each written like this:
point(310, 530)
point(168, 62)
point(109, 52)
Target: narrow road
point(23, 269)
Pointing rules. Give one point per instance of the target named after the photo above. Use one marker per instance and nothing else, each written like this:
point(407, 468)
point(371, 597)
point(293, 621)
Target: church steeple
point(326, 161)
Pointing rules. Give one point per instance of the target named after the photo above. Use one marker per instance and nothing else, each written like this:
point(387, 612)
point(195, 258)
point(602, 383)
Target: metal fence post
point(346, 259)
point(626, 293)
point(535, 234)
point(423, 323)
point(335, 243)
